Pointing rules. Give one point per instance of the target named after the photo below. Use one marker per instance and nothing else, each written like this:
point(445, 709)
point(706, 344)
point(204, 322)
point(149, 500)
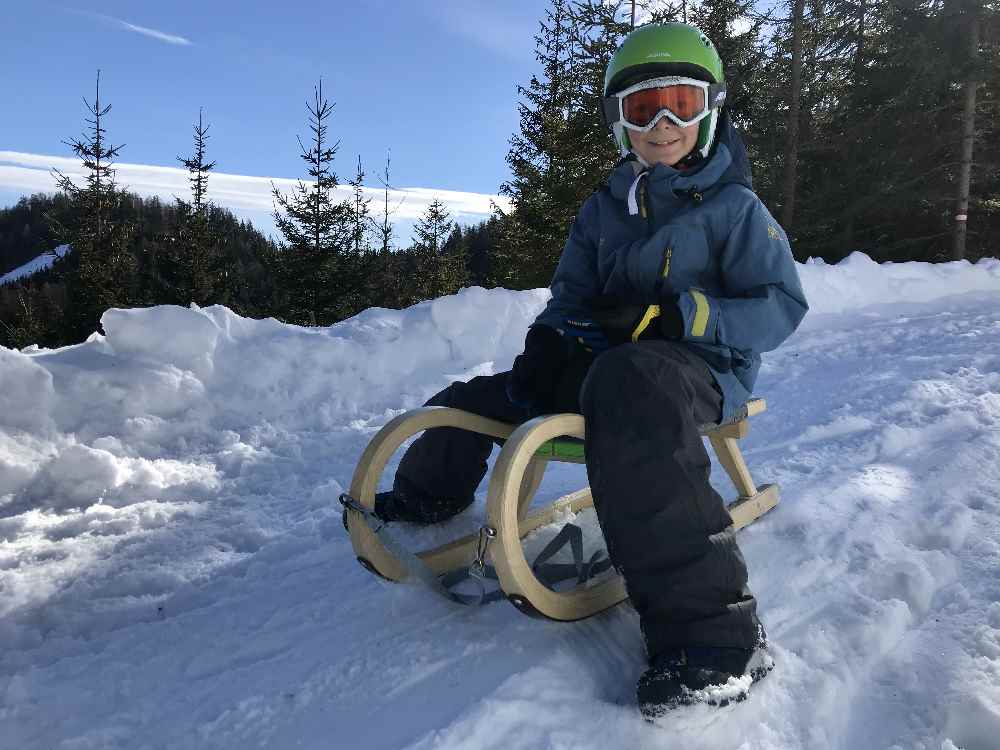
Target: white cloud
point(144, 30)
point(168, 38)
point(27, 173)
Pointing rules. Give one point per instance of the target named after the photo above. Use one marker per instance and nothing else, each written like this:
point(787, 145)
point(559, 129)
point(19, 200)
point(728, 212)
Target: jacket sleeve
point(576, 277)
point(763, 301)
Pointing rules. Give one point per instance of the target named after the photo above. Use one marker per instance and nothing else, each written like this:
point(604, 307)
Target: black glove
point(619, 320)
point(671, 320)
point(567, 394)
point(532, 381)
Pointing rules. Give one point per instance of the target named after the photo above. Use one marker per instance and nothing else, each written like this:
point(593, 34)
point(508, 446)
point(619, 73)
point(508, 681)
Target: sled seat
point(722, 436)
point(527, 450)
point(570, 449)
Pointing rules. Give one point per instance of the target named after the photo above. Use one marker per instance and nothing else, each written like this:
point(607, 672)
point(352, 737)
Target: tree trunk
point(847, 237)
point(792, 139)
point(968, 135)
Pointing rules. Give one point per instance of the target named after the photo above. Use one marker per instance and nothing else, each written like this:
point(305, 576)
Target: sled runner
point(527, 450)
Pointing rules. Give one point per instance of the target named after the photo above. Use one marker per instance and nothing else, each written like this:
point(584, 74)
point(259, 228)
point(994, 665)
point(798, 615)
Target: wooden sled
point(516, 477)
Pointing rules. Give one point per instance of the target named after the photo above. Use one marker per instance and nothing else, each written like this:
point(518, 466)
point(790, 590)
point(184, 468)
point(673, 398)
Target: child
point(673, 280)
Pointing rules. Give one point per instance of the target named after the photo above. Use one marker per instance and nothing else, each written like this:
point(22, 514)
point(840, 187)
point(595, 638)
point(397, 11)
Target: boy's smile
point(666, 143)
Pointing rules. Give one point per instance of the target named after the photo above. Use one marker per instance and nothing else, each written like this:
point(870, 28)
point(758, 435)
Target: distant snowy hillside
point(40, 263)
point(174, 573)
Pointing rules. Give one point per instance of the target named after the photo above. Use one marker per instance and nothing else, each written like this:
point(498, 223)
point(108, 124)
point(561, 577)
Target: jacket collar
point(664, 180)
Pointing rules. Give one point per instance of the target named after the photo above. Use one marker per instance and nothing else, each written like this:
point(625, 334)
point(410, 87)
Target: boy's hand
point(532, 381)
point(619, 321)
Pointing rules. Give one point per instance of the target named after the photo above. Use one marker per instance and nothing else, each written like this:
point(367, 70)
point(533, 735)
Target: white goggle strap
point(712, 122)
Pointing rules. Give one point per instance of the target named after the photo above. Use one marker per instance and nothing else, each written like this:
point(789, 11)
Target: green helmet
point(664, 49)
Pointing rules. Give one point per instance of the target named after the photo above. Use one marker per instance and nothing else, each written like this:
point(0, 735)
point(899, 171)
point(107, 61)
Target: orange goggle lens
point(684, 100)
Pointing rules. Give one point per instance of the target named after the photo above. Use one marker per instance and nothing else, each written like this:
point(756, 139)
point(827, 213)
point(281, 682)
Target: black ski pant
point(666, 528)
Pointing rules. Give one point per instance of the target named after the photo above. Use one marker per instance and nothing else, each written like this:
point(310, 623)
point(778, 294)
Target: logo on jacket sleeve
point(772, 232)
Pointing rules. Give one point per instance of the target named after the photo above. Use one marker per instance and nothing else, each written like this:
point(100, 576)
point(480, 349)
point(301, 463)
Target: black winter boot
point(405, 502)
point(700, 674)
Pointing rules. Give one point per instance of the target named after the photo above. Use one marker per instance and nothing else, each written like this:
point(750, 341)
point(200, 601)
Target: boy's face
point(666, 143)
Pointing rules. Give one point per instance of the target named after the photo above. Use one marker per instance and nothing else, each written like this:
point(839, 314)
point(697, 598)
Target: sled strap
point(415, 567)
point(479, 576)
point(478, 572)
point(552, 573)
point(547, 573)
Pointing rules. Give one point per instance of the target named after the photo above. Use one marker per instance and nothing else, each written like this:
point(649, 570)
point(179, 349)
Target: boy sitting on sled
point(673, 280)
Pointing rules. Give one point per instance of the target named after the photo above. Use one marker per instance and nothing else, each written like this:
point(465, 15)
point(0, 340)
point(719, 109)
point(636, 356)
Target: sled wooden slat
point(518, 472)
point(746, 510)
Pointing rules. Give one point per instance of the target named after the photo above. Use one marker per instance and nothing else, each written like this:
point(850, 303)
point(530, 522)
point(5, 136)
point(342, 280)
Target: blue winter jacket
point(702, 234)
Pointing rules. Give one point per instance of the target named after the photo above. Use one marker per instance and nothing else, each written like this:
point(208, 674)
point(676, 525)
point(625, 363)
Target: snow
point(174, 573)
point(40, 263)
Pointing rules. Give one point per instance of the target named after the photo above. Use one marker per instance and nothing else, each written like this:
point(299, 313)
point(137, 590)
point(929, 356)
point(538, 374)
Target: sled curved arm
point(391, 436)
point(517, 579)
point(367, 545)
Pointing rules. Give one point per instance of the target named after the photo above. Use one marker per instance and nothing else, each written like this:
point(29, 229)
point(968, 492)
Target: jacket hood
point(726, 163)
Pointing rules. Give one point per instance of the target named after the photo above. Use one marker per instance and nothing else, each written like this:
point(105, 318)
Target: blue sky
point(434, 80)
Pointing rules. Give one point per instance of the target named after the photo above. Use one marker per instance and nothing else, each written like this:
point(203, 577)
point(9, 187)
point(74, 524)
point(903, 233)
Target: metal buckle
point(478, 567)
point(351, 504)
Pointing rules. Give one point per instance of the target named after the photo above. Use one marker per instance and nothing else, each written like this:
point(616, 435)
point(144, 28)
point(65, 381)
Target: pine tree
point(791, 159)
point(103, 268)
point(384, 229)
point(735, 28)
point(383, 277)
point(541, 212)
point(440, 271)
point(359, 257)
point(24, 325)
point(562, 152)
point(433, 226)
point(194, 250)
point(315, 264)
point(360, 216)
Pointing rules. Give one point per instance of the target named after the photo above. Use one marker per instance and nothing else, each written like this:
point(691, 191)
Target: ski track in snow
point(33, 266)
point(210, 598)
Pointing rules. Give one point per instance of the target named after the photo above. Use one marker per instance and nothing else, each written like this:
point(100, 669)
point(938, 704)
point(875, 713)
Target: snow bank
point(858, 281)
point(167, 376)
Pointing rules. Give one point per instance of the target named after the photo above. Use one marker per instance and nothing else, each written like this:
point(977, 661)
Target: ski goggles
point(684, 100)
